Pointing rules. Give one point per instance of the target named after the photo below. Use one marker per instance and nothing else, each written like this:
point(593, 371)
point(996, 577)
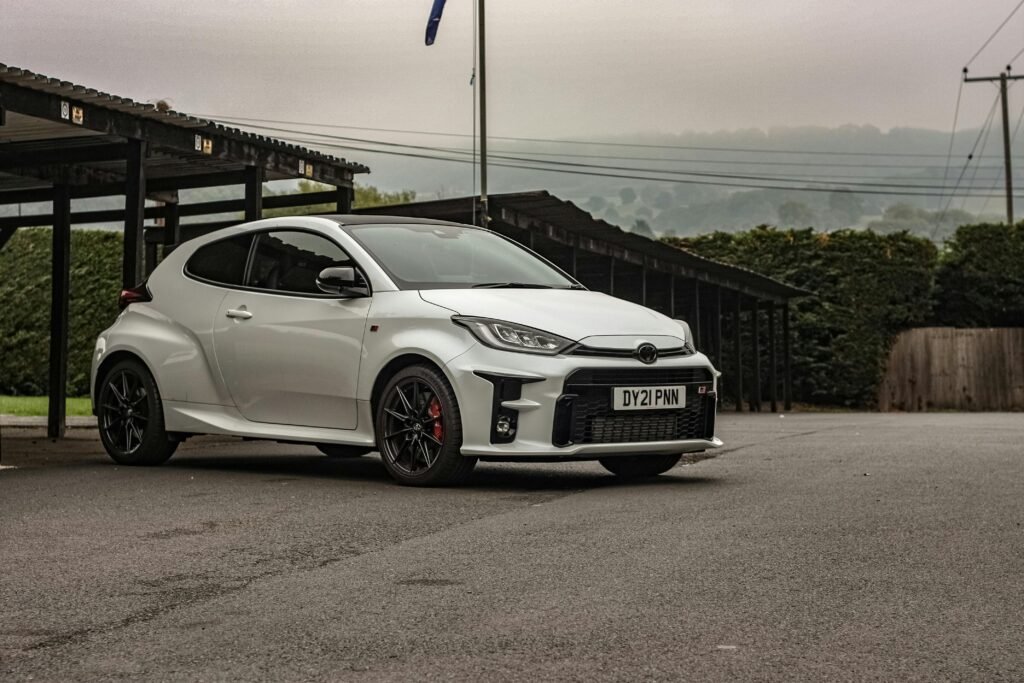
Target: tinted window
point(289, 261)
point(435, 256)
point(222, 262)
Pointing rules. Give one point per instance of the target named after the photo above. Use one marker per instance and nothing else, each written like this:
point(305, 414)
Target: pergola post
point(672, 296)
point(695, 325)
point(755, 334)
point(59, 295)
point(738, 350)
point(134, 212)
point(345, 199)
point(773, 379)
point(573, 253)
point(611, 275)
point(716, 326)
point(643, 283)
point(787, 387)
point(172, 225)
point(253, 193)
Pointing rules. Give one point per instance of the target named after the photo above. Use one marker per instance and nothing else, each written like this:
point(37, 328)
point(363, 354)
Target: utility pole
point(486, 217)
point(1003, 78)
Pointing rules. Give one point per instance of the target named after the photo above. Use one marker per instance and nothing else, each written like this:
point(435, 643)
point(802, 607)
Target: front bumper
point(538, 413)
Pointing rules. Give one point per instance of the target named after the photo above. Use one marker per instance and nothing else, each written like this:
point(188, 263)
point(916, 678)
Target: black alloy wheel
point(419, 431)
point(130, 416)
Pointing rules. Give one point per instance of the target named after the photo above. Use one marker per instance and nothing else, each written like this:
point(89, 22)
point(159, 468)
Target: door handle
point(238, 313)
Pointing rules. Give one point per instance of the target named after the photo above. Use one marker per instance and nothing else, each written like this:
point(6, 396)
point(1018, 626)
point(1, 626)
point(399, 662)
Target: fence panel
point(945, 368)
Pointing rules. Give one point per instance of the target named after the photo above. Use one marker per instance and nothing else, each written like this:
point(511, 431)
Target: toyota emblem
point(647, 353)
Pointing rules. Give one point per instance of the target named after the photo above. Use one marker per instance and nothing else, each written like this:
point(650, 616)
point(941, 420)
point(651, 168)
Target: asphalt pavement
point(818, 547)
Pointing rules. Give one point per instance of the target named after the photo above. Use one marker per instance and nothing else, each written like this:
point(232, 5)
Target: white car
point(435, 343)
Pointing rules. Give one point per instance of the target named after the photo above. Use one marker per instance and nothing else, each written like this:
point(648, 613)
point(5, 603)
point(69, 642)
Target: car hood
point(575, 314)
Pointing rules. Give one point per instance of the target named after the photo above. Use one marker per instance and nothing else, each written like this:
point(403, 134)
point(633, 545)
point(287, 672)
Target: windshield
point(452, 257)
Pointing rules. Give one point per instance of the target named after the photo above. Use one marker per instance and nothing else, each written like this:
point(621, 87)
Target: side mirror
point(336, 280)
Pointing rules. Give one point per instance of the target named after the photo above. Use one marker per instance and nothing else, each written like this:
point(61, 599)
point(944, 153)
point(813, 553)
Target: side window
point(289, 261)
point(221, 262)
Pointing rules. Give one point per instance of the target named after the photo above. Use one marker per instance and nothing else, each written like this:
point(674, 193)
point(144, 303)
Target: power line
point(952, 134)
point(623, 176)
point(1000, 176)
point(605, 167)
point(988, 122)
point(246, 121)
point(994, 34)
point(1014, 58)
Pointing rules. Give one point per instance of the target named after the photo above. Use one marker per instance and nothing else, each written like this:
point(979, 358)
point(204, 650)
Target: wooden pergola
point(680, 284)
point(60, 142)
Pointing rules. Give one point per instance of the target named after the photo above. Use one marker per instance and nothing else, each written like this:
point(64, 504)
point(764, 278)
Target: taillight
point(134, 295)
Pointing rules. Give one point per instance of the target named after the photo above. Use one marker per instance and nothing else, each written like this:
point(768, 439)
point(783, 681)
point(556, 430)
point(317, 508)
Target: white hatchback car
point(435, 343)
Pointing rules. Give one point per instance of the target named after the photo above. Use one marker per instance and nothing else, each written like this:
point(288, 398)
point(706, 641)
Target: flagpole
point(485, 219)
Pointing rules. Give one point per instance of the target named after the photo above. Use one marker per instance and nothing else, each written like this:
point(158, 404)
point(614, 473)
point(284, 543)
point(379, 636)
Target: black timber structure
point(60, 142)
point(707, 294)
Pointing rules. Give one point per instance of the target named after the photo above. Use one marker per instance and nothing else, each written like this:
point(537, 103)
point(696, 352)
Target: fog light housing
point(504, 427)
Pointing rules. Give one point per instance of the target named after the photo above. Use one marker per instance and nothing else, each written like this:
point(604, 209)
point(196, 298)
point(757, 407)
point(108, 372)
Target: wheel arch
point(108, 362)
point(396, 365)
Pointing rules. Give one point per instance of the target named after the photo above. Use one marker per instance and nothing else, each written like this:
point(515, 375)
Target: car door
point(288, 353)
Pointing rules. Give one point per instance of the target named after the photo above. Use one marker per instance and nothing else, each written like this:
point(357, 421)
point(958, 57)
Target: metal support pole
point(787, 388)
point(253, 193)
point(134, 212)
point(773, 380)
point(59, 295)
point(737, 326)
point(481, 36)
point(755, 342)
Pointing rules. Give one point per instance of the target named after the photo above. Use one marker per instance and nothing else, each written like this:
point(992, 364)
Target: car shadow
point(487, 476)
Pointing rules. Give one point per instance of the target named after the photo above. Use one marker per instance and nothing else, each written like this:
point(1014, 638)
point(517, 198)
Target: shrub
point(25, 314)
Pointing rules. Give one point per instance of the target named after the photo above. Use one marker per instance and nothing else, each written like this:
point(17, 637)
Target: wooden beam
point(134, 213)
point(16, 156)
point(254, 176)
point(60, 290)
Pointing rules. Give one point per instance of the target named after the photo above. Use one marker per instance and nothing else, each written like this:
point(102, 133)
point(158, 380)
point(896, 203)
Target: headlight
point(512, 337)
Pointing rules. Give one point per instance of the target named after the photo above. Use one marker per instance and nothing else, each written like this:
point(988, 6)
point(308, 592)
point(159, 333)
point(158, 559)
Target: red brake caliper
point(435, 412)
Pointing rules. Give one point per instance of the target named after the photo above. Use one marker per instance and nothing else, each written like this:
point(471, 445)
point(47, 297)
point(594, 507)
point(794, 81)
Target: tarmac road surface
point(818, 547)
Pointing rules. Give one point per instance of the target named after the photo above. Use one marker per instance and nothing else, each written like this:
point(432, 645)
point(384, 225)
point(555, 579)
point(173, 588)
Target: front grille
point(584, 414)
point(685, 350)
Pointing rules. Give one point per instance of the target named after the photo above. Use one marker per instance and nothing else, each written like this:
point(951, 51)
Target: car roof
point(355, 219)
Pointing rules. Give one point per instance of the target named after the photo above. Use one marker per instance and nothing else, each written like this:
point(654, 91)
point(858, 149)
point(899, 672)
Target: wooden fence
point(944, 368)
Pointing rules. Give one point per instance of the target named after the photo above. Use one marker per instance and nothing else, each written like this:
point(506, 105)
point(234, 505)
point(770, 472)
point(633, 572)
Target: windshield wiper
point(511, 285)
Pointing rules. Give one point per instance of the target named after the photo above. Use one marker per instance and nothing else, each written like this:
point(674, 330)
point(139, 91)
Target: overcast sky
point(555, 67)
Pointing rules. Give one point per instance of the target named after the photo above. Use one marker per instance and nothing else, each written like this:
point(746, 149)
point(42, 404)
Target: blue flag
point(434, 21)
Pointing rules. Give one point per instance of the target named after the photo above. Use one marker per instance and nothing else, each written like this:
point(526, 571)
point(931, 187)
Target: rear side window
point(290, 260)
point(221, 262)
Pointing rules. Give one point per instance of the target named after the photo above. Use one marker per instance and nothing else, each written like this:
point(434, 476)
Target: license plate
point(648, 398)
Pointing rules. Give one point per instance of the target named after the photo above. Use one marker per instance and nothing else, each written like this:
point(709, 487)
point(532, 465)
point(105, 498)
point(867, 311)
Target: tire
point(130, 416)
point(640, 466)
point(419, 429)
point(337, 451)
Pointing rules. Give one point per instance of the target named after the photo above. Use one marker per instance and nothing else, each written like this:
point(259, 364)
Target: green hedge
point(980, 282)
point(869, 287)
point(25, 313)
